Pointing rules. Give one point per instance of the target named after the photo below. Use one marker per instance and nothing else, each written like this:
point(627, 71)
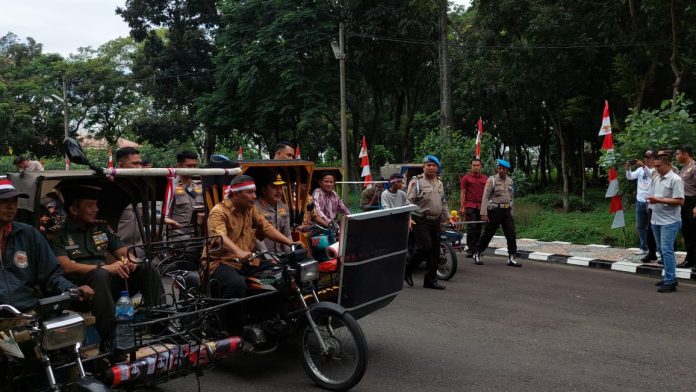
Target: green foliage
point(522, 183)
point(667, 127)
point(591, 227)
point(455, 151)
point(554, 202)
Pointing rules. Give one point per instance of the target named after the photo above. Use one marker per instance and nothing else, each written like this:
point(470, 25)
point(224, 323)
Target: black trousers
point(426, 236)
point(652, 245)
point(499, 217)
point(107, 289)
point(473, 231)
point(688, 228)
point(227, 282)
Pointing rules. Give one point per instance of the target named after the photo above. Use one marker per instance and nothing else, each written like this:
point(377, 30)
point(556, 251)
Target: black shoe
point(408, 279)
point(667, 288)
point(649, 257)
point(512, 262)
point(662, 283)
point(477, 258)
point(685, 264)
point(433, 285)
point(469, 255)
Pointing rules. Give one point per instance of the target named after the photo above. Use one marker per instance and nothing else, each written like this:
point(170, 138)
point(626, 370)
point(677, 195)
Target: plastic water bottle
point(125, 335)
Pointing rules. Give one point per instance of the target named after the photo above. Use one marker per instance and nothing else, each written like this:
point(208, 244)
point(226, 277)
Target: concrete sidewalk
point(593, 256)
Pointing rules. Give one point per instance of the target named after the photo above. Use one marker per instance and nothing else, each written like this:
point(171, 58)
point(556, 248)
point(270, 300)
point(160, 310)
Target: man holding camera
point(643, 173)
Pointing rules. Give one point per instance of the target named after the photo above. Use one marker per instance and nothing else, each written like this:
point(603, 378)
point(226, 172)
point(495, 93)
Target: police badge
point(20, 259)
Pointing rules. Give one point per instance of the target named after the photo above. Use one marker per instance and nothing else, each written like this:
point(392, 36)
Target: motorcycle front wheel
point(343, 365)
point(447, 264)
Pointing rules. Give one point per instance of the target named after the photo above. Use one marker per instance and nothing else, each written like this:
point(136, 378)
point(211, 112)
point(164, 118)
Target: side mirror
point(74, 152)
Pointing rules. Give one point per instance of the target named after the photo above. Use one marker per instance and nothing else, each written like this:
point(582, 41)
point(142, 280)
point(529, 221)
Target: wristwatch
point(100, 264)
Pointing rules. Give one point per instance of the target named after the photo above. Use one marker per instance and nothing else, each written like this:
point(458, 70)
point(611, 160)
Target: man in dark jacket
point(26, 258)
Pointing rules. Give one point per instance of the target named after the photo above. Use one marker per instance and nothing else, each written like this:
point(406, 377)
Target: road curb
point(587, 262)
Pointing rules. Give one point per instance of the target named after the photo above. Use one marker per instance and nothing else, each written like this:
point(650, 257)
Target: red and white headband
point(242, 186)
point(6, 184)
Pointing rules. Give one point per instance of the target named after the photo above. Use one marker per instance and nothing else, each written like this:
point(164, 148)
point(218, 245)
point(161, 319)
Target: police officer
point(684, 155)
point(428, 194)
point(26, 258)
point(187, 195)
point(496, 210)
point(91, 254)
point(276, 212)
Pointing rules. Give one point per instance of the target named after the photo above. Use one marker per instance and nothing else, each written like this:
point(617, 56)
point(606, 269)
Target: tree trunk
point(443, 60)
point(543, 154)
point(673, 59)
point(562, 147)
point(582, 169)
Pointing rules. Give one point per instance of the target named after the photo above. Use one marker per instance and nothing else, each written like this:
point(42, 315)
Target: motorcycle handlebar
point(11, 309)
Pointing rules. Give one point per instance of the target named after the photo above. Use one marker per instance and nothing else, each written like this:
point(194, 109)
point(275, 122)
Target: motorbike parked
point(447, 262)
point(41, 351)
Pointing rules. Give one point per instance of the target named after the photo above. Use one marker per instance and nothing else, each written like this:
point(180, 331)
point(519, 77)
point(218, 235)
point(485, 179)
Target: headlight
point(62, 331)
point(308, 270)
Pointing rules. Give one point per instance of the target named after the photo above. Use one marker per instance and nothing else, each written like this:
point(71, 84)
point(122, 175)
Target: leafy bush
point(554, 202)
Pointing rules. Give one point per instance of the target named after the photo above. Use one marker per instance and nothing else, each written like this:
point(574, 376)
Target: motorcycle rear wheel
point(345, 363)
point(447, 264)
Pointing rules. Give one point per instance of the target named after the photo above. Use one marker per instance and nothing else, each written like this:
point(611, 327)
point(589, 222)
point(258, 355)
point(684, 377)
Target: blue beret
point(503, 163)
point(432, 158)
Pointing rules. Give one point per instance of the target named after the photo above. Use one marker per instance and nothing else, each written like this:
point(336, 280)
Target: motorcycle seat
point(328, 266)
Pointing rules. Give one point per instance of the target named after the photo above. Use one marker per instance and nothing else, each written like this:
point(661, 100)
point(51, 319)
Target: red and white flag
point(240, 155)
point(365, 163)
point(479, 134)
point(110, 164)
point(616, 206)
point(297, 152)
point(605, 129)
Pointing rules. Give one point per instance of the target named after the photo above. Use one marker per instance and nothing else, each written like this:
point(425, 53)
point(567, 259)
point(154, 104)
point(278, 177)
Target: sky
point(62, 26)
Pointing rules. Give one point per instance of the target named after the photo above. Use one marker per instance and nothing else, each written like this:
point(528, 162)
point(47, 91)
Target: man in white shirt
point(643, 174)
point(394, 196)
point(666, 195)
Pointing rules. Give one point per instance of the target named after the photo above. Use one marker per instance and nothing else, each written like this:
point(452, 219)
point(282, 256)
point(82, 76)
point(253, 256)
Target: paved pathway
point(597, 256)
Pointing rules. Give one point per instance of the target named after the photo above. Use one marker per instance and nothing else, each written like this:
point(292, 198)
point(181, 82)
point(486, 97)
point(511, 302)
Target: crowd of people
point(85, 253)
point(665, 204)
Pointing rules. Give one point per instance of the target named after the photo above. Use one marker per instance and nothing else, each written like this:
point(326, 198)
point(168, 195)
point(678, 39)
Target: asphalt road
point(541, 327)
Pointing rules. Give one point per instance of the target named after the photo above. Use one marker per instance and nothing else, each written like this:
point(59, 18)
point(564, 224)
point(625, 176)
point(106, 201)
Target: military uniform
point(497, 204)
point(429, 196)
point(95, 244)
point(279, 217)
point(186, 198)
point(27, 264)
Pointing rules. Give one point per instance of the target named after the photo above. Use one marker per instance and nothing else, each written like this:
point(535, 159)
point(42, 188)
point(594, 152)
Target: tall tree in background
point(175, 66)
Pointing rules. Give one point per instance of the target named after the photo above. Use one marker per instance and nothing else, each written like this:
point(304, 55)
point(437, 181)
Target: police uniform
point(688, 176)
point(279, 217)
point(94, 244)
point(429, 196)
point(186, 198)
point(497, 205)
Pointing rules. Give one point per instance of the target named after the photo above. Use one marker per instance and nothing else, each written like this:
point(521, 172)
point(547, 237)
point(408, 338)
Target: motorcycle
point(447, 262)
point(41, 351)
point(330, 342)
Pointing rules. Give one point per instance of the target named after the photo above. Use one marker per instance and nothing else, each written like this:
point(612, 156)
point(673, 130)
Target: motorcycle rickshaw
point(185, 333)
point(361, 258)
